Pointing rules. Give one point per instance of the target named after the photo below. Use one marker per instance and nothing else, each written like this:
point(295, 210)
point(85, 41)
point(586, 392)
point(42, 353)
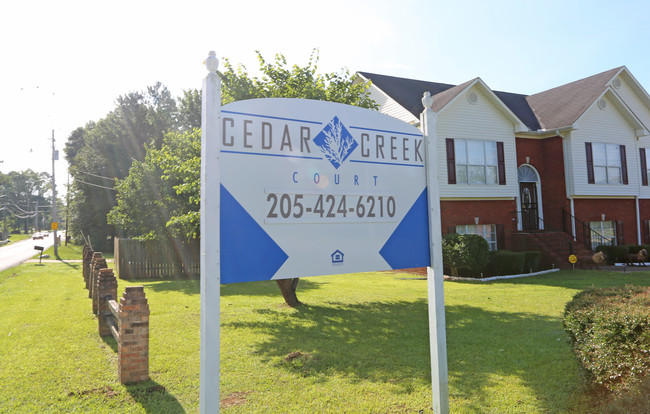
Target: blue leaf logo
point(335, 142)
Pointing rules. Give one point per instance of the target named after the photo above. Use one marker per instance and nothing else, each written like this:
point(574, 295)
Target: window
point(487, 231)
point(602, 233)
point(475, 162)
point(606, 163)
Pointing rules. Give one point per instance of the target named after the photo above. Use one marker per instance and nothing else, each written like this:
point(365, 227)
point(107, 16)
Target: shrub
point(506, 262)
point(610, 331)
point(614, 254)
point(533, 258)
point(465, 251)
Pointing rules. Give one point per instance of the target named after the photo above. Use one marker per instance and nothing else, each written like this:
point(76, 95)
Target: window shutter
point(619, 233)
point(502, 163)
point(451, 229)
point(644, 167)
point(451, 161)
point(590, 163)
point(645, 235)
point(501, 237)
point(623, 165)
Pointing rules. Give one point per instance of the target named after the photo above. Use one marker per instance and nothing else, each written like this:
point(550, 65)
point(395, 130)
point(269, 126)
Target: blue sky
point(65, 62)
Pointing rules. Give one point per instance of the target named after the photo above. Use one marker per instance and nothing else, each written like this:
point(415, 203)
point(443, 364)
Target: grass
point(360, 345)
point(18, 237)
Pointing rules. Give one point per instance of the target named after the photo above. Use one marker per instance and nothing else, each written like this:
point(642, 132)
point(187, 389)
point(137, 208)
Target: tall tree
point(102, 152)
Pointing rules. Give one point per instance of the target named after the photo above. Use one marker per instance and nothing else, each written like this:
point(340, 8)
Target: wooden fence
point(156, 259)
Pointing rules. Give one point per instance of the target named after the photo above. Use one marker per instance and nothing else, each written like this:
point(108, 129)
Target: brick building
point(563, 170)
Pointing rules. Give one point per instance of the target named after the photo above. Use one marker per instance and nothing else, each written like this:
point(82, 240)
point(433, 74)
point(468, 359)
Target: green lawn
point(18, 237)
point(359, 345)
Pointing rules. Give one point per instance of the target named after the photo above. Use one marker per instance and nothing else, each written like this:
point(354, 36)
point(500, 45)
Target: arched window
point(527, 174)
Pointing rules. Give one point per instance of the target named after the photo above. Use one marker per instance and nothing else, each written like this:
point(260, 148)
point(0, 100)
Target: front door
point(529, 211)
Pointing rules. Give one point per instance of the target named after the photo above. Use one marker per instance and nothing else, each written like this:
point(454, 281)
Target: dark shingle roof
point(556, 108)
point(406, 92)
point(519, 106)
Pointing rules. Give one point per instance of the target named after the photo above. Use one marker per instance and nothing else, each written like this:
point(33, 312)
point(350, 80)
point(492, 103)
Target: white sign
point(315, 188)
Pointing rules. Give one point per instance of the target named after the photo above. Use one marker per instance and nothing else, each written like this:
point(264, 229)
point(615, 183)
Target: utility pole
point(54, 220)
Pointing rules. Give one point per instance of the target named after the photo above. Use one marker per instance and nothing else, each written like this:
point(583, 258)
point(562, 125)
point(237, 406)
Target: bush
point(614, 254)
point(465, 251)
point(506, 262)
point(533, 258)
point(610, 331)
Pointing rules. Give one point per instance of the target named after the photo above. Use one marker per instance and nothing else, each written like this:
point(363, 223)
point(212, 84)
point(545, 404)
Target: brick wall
point(488, 211)
point(614, 209)
point(547, 156)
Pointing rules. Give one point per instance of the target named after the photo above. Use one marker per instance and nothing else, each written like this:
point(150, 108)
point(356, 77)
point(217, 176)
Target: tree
point(103, 151)
point(24, 200)
point(159, 199)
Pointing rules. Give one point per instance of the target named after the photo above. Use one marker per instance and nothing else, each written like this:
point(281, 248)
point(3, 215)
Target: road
point(14, 254)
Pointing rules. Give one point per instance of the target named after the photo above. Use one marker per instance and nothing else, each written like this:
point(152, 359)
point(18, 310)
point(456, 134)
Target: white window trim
point(463, 229)
point(607, 166)
point(468, 165)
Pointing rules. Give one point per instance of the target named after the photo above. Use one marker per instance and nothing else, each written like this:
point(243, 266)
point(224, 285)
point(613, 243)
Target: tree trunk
point(288, 289)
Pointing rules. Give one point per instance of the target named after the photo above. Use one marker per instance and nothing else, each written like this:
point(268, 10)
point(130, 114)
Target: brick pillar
point(106, 286)
point(87, 257)
point(97, 264)
point(133, 346)
point(96, 256)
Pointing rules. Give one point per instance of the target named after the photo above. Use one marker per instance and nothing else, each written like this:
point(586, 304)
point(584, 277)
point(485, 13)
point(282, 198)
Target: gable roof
point(408, 93)
point(556, 108)
point(562, 106)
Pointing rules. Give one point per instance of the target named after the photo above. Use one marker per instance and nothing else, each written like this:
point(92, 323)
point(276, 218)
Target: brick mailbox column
point(87, 257)
point(95, 267)
point(133, 346)
point(106, 286)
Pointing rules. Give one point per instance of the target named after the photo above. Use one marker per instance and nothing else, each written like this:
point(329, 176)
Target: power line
point(95, 185)
point(95, 175)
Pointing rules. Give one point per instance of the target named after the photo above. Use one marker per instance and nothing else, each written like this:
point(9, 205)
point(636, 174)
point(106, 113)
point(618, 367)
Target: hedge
point(610, 332)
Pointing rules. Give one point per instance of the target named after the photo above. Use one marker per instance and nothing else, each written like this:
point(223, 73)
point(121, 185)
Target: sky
point(64, 63)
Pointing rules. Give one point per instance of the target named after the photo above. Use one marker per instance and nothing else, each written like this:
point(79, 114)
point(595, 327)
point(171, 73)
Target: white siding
point(388, 106)
point(633, 101)
point(607, 126)
point(480, 121)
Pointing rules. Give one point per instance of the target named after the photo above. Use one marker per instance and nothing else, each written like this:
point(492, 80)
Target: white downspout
point(573, 219)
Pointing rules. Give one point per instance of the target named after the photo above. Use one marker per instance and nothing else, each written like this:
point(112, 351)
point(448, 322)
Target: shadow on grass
point(154, 398)
point(192, 287)
point(389, 343)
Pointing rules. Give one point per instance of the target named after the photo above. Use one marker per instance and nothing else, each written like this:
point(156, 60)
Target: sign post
point(437, 329)
point(573, 259)
point(210, 240)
